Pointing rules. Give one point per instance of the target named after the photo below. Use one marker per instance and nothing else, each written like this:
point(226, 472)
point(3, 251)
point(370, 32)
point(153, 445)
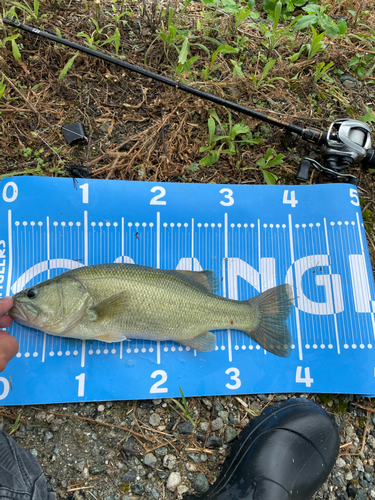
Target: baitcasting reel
point(348, 142)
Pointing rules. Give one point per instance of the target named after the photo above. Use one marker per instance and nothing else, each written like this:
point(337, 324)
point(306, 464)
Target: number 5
point(354, 194)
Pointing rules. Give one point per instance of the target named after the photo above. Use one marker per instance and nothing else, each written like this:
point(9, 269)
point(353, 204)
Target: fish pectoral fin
point(108, 308)
point(204, 342)
point(111, 337)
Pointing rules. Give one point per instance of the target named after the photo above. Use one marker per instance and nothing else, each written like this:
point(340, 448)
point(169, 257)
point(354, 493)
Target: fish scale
point(113, 302)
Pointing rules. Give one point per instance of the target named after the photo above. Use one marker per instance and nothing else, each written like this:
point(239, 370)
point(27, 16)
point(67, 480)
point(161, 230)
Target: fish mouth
point(18, 313)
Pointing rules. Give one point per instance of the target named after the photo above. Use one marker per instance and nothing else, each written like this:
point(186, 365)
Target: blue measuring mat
point(253, 237)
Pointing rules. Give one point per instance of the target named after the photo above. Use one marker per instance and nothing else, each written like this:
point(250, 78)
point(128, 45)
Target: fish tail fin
point(273, 308)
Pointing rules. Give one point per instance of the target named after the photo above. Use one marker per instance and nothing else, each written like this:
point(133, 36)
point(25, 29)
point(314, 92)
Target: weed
point(317, 17)
point(223, 49)
point(363, 64)
point(67, 66)
point(2, 86)
point(239, 18)
point(184, 408)
point(32, 13)
point(369, 117)
point(271, 159)
point(288, 6)
point(321, 71)
point(15, 48)
point(261, 80)
point(275, 36)
point(117, 15)
point(16, 425)
point(228, 139)
point(316, 45)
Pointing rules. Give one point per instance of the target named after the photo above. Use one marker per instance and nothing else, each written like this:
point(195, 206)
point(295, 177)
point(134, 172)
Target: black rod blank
point(310, 134)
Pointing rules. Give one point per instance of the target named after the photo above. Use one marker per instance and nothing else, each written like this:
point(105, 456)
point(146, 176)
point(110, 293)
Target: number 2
point(156, 199)
point(155, 388)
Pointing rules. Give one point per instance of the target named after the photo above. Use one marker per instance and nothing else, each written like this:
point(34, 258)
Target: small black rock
point(171, 423)
point(186, 427)
point(137, 488)
point(128, 477)
point(214, 442)
point(351, 489)
point(99, 469)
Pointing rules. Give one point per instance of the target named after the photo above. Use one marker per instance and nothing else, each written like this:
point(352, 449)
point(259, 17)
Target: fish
point(116, 302)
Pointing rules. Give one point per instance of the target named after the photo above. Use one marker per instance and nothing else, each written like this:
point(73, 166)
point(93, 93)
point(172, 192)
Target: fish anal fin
point(109, 308)
point(206, 280)
point(204, 342)
point(111, 337)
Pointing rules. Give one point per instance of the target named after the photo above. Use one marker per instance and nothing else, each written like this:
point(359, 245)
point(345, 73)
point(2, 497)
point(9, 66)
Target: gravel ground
point(149, 450)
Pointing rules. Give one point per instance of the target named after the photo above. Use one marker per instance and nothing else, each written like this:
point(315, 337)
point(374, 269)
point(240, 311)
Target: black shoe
point(285, 454)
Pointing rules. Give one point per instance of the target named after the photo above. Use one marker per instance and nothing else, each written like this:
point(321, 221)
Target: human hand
point(8, 344)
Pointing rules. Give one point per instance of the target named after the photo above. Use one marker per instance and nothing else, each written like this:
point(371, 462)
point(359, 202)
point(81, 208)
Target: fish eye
point(32, 293)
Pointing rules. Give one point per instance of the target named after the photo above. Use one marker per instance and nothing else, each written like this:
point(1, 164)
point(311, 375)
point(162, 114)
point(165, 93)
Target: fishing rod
point(346, 142)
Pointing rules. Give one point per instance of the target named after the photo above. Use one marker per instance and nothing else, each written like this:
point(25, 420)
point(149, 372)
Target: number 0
point(5, 392)
point(6, 198)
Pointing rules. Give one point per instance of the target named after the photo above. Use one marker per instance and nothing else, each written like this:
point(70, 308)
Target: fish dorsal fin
point(205, 280)
point(110, 307)
point(204, 342)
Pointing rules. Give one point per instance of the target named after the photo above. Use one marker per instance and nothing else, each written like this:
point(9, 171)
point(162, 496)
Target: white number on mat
point(234, 377)
point(81, 385)
point(156, 199)
point(228, 196)
point(14, 187)
point(5, 392)
point(292, 200)
point(306, 379)
point(156, 387)
point(353, 194)
point(85, 192)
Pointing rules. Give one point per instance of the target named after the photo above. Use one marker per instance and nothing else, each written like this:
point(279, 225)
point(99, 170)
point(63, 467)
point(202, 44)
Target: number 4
point(306, 379)
point(292, 200)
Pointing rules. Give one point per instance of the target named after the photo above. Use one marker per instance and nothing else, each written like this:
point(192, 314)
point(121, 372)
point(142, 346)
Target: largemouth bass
point(115, 302)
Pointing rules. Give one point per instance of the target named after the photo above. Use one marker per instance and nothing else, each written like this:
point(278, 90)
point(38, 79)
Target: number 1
point(81, 385)
point(85, 192)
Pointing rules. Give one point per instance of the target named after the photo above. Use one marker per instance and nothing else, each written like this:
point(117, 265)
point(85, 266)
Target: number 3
point(234, 377)
point(228, 196)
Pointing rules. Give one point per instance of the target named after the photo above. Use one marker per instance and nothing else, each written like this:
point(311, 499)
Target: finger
point(8, 349)
point(5, 321)
point(5, 304)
